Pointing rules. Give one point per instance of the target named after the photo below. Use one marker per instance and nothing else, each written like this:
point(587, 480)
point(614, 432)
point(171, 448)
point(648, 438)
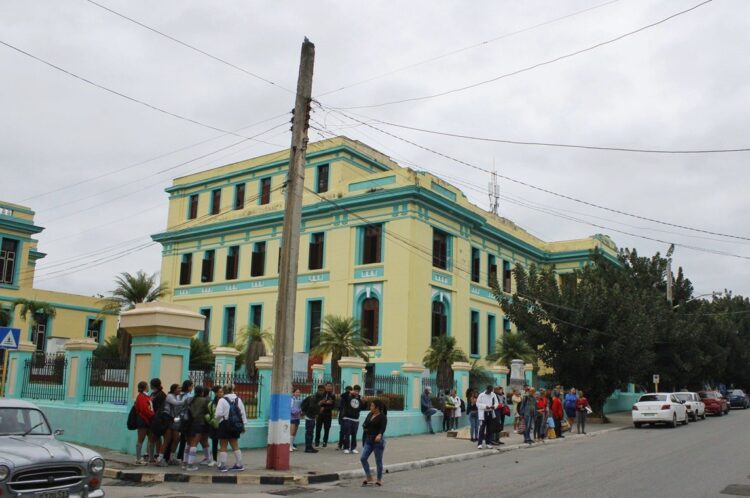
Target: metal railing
point(245, 386)
point(107, 380)
point(44, 377)
point(391, 389)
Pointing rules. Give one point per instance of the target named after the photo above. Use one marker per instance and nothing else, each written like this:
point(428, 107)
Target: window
point(256, 315)
point(439, 319)
point(258, 260)
point(186, 268)
point(233, 260)
point(439, 249)
point(94, 329)
point(39, 332)
point(193, 209)
point(474, 334)
point(506, 276)
point(491, 270)
point(314, 313)
point(206, 312)
point(371, 244)
point(475, 264)
point(506, 325)
point(322, 185)
point(229, 316)
point(265, 190)
point(370, 317)
point(216, 201)
point(8, 257)
point(239, 196)
point(207, 270)
point(491, 334)
point(315, 261)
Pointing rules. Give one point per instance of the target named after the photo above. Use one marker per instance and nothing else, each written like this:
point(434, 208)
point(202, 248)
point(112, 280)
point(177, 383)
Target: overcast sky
point(94, 165)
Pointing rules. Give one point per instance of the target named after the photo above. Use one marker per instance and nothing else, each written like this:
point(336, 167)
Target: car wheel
point(703, 417)
point(674, 421)
point(685, 422)
point(637, 425)
point(720, 412)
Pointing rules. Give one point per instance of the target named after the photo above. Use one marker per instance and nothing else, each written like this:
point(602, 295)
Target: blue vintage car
point(738, 399)
point(34, 463)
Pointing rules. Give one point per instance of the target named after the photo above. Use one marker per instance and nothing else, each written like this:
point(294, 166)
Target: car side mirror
point(59, 432)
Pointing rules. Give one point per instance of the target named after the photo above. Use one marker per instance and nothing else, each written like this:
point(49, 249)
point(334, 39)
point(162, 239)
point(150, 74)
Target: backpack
point(463, 407)
point(235, 416)
point(186, 417)
point(132, 423)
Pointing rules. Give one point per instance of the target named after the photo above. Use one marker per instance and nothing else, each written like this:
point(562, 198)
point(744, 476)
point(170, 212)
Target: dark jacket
point(354, 405)
point(371, 428)
point(199, 409)
point(328, 403)
point(311, 406)
point(425, 402)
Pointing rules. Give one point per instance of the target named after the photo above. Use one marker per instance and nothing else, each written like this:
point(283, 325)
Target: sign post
point(656, 382)
point(9, 339)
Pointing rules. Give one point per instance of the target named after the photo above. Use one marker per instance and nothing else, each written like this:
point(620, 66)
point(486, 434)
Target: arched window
point(439, 319)
point(369, 316)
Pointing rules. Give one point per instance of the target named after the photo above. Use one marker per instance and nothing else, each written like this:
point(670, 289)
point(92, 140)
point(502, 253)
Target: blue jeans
point(371, 446)
point(529, 419)
point(350, 434)
point(309, 430)
point(428, 416)
point(474, 423)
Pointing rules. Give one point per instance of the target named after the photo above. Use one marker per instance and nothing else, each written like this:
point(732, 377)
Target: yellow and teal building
point(400, 250)
point(75, 317)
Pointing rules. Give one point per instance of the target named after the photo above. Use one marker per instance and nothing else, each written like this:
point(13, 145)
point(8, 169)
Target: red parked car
point(716, 404)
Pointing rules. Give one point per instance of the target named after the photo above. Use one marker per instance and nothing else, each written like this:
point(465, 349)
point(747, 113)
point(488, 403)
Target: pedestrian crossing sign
point(9, 338)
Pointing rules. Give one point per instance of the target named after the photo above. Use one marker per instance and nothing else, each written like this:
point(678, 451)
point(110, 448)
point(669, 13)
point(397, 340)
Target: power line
point(532, 67)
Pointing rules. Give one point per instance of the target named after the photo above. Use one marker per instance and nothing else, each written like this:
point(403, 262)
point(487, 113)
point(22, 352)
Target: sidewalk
point(402, 453)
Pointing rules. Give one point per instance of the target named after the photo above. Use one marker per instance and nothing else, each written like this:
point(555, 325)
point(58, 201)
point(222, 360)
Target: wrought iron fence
point(436, 392)
point(304, 382)
point(107, 380)
point(44, 377)
point(245, 386)
point(391, 389)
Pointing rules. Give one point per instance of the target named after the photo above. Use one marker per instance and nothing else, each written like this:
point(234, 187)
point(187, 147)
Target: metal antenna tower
point(494, 193)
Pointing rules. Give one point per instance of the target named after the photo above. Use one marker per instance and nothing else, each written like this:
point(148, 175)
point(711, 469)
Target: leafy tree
point(512, 346)
point(201, 355)
point(36, 309)
point(439, 358)
point(479, 377)
point(131, 290)
point(255, 342)
point(110, 350)
point(340, 337)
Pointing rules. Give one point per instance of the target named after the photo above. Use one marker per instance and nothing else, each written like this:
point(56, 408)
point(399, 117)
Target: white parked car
point(655, 408)
point(696, 408)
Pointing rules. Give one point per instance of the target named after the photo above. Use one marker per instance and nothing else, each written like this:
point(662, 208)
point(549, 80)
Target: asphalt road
point(699, 460)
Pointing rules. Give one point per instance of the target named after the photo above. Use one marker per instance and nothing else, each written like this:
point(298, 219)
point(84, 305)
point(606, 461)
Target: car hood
point(19, 451)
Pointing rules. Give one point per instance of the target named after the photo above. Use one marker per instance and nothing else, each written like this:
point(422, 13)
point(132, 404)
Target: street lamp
point(713, 294)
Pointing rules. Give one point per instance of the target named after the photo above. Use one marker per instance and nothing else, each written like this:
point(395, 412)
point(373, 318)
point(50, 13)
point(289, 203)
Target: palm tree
point(131, 290)
point(440, 356)
point(37, 310)
point(340, 337)
point(512, 346)
point(255, 341)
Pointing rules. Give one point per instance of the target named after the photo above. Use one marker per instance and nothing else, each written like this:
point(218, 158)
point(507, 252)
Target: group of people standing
point(548, 413)
point(176, 422)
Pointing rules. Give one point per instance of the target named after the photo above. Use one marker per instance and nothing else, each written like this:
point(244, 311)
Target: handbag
point(551, 434)
point(564, 424)
point(589, 410)
point(506, 410)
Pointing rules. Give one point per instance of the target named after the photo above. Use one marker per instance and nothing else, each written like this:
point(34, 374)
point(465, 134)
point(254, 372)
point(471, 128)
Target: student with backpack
point(230, 411)
point(159, 422)
point(171, 417)
point(213, 424)
point(197, 429)
point(144, 412)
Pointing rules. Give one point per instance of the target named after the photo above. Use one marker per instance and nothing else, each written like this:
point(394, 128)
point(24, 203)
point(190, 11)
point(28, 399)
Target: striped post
point(279, 415)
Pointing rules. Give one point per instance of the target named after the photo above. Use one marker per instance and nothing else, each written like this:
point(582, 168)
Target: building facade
point(75, 316)
point(402, 251)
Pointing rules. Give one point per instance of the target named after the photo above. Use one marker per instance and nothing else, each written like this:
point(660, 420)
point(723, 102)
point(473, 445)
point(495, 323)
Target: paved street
point(699, 460)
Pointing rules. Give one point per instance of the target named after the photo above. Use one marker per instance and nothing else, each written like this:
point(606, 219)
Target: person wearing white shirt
point(226, 433)
point(486, 403)
point(456, 411)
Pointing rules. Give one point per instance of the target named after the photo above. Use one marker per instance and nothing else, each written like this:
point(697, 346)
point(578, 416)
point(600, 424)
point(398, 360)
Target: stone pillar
point(516, 375)
point(528, 373)
point(161, 342)
point(17, 373)
point(264, 364)
point(78, 353)
point(351, 371)
point(461, 377)
point(318, 372)
point(497, 375)
point(225, 361)
point(413, 373)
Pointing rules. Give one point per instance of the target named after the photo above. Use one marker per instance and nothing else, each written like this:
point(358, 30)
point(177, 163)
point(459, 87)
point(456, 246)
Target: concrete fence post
point(318, 372)
point(351, 371)
point(528, 373)
point(17, 373)
point(413, 374)
point(78, 354)
point(264, 364)
point(225, 362)
point(461, 377)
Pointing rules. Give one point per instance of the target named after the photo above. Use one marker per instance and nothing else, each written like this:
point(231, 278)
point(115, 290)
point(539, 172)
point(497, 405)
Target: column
point(413, 374)
point(161, 342)
point(264, 364)
point(225, 361)
point(318, 372)
point(78, 353)
point(351, 371)
point(497, 375)
point(17, 374)
point(461, 377)
point(528, 373)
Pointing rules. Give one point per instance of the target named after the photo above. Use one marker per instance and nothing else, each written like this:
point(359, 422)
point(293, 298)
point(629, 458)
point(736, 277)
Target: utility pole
point(277, 453)
point(669, 274)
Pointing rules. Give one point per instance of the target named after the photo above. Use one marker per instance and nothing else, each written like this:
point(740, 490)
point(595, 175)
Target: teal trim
point(34, 254)
point(19, 224)
point(225, 328)
point(443, 191)
point(307, 319)
point(102, 328)
point(313, 277)
point(442, 278)
point(61, 305)
point(19, 209)
point(250, 314)
point(207, 325)
point(474, 318)
point(370, 184)
point(482, 292)
point(369, 272)
point(255, 283)
point(491, 332)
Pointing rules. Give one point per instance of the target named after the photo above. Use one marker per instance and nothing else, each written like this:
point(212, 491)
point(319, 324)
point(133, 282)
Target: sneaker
point(291, 449)
point(237, 468)
point(325, 444)
point(173, 462)
point(479, 446)
point(191, 468)
point(317, 444)
point(212, 463)
point(205, 462)
point(294, 446)
point(141, 461)
point(161, 463)
point(346, 452)
point(355, 451)
point(311, 450)
point(221, 468)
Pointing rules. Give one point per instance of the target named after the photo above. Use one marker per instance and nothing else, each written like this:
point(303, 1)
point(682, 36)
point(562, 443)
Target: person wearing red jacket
point(144, 411)
point(557, 414)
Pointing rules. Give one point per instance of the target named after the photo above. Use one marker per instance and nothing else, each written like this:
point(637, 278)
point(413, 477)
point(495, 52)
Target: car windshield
point(20, 421)
point(653, 397)
point(737, 392)
point(684, 397)
point(709, 394)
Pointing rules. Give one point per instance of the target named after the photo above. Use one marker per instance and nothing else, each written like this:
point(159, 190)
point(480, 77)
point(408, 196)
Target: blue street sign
point(9, 338)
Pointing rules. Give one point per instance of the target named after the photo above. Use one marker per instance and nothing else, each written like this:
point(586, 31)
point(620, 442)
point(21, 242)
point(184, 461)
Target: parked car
point(34, 463)
point(653, 408)
point(716, 404)
point(695, 407)
point(738, 399)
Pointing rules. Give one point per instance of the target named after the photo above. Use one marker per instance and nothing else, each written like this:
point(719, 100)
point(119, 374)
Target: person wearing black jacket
point(342, 400)
point(373, 430)
point(352, 408)
point(311, 409)
point(324, 418)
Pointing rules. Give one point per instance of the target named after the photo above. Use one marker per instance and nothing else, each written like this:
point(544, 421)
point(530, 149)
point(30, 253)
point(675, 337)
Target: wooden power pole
point(277, 455)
